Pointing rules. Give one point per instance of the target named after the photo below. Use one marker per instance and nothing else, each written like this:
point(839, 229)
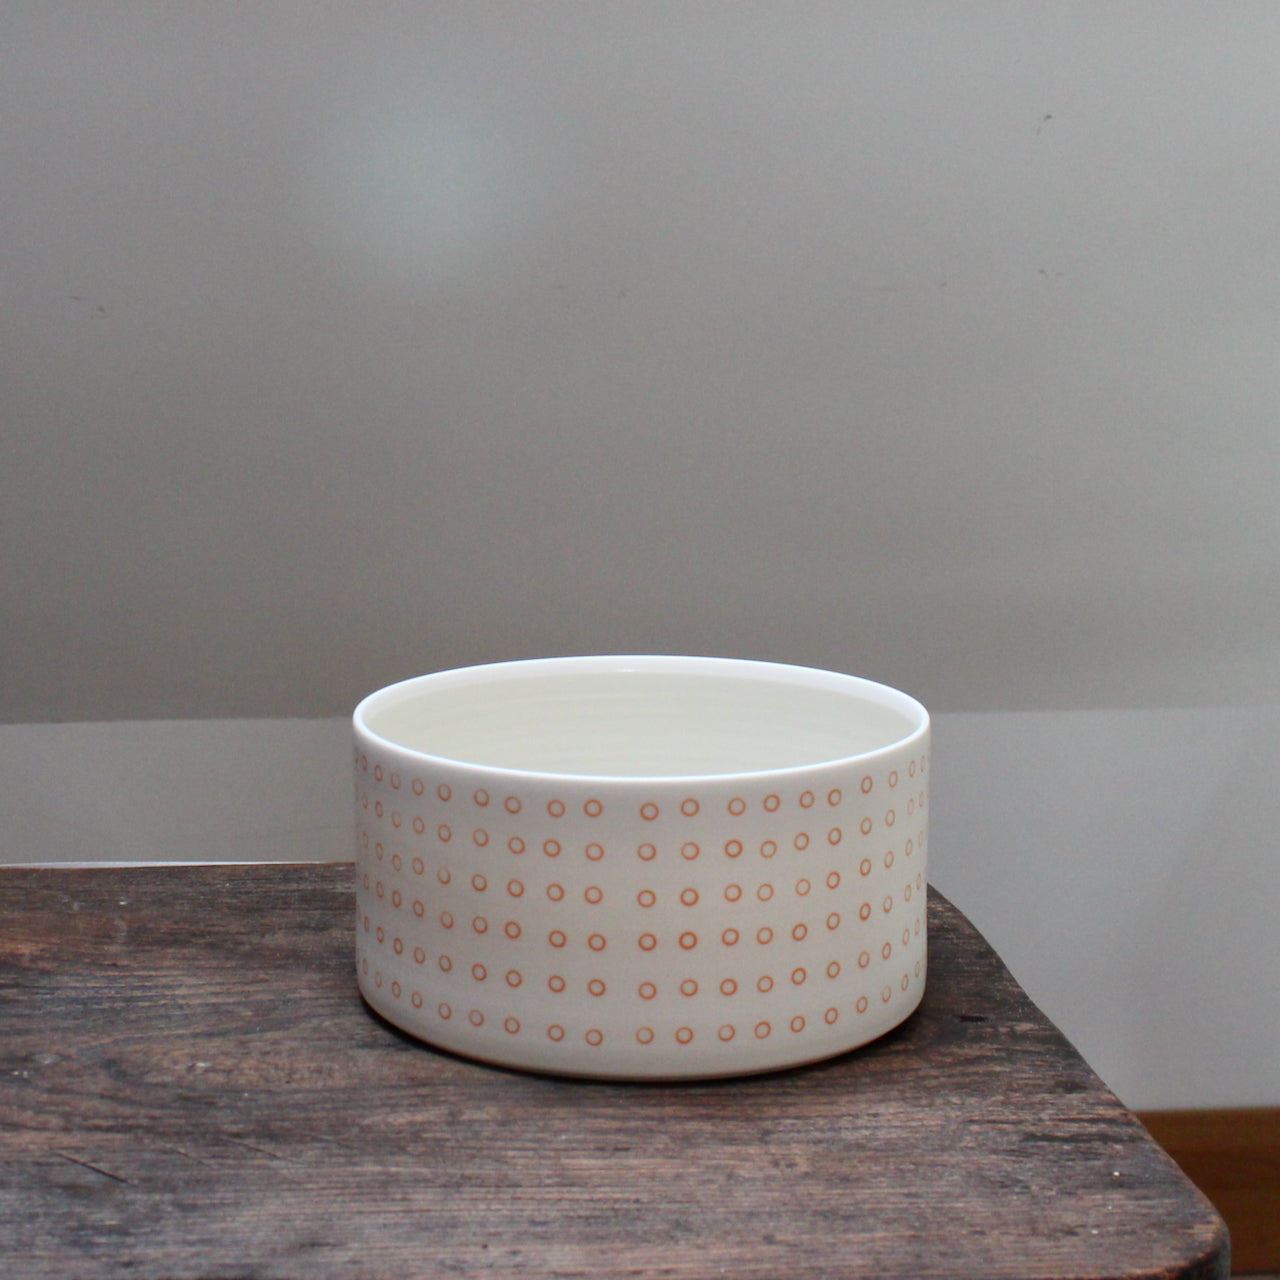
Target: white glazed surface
point(642, 867)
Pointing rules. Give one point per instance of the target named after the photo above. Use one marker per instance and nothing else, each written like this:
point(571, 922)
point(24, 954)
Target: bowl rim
point(777, 672)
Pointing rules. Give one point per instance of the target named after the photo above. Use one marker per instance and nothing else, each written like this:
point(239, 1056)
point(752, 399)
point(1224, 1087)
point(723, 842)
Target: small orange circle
point(444, 833)
point(833, 880)
point(514, 977)
point(684, 1035)
point(771, 803)
point(728, 987)
point(733, 848)
point(769, 848)
point(446, 919)
point(515, 888)
point(737, 806)
point(833, 920)
point(444, 792)
point(798, 976)
point(444, 1011)
point(480, 836)
point(596, 987)
point(593, 894)
point(481, 797)
point(689, 850)
point(764, 936)
point(806, 800)
point(511, 804)
point(479, 972)
point(732, 892)
point(593, 808)
point(726, 1033)
point(511, 929)
point(645, 1035)
point(833, 969)
point(512, 1026)
point(595, 851)
point(688, 987)
point(762, 1030)
point(647, 991)
point(594, 1037)
point(556, 983)
point(480, 924)
point(689, 897)
point(516, 845)
point(597, 942)
point(551, 848)
point(649, 811)
point(797, 1023)
point(864, 959)
point(555, 808)
point(801, 841)
point(764, 892)
point(765, 983)
point(730, 937)
point(800, 932)
point(555, 1031)
point(865, 866)
point(647, 942)
point(689, 807)
point(688, 941)
point(646, 853)
point(479, 883)
point(556, 938)
point(802, 887)
point(646, 897)
point(555, 892)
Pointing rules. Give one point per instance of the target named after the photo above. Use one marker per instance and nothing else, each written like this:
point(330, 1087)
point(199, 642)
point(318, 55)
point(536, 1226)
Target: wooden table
point(190, 1086)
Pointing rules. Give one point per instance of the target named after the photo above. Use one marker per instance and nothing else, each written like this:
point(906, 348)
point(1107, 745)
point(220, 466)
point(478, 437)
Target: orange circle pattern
point(814, 884)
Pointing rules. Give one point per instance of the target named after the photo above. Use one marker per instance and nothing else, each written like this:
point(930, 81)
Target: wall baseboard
point(1233, 1156)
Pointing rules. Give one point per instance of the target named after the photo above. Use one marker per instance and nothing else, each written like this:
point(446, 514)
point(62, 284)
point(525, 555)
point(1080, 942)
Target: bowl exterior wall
point(631, 929)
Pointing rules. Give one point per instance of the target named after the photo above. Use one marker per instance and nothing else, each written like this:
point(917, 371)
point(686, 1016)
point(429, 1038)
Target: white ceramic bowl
point(641, 867)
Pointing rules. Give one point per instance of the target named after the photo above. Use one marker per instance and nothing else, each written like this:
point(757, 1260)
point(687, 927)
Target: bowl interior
point(632, 718)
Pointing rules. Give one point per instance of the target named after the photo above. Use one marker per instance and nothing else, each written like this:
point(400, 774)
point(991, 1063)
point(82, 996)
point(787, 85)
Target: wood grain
point(190, 1086)
point(1233, 1156)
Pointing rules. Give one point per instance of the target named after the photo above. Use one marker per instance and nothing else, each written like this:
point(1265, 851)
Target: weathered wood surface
point(190, 1086)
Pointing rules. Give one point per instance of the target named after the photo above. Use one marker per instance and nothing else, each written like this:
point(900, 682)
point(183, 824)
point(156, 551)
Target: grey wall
point(342, 342)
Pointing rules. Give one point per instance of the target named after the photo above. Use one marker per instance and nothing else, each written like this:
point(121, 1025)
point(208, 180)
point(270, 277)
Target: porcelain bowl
point(641, 867)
